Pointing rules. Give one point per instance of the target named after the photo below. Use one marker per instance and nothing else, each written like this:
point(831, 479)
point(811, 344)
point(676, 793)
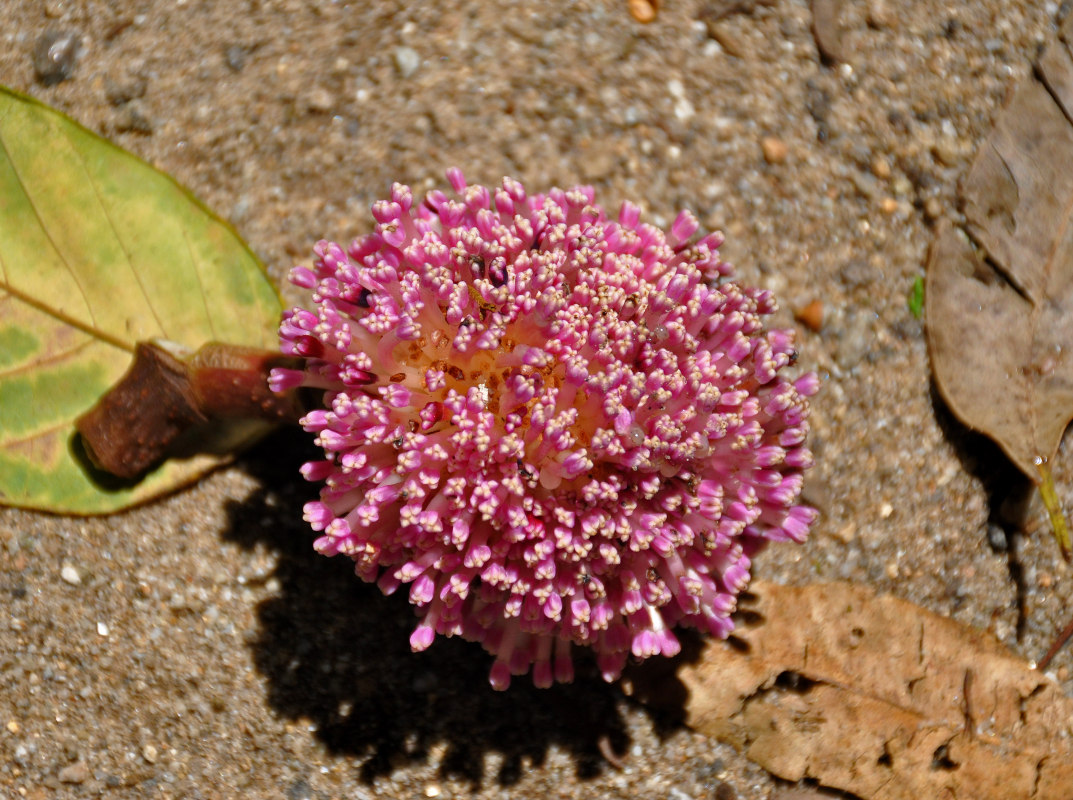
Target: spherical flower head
point(554, 428)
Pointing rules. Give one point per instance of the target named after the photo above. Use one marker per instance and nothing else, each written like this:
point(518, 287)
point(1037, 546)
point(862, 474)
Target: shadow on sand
point(336, 651)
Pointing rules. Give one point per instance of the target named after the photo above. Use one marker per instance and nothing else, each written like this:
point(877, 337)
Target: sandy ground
point(198, 648)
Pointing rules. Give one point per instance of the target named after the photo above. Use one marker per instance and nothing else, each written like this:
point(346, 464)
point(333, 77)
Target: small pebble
point(724, 791)
point(12, 726)
point(933, 209)
point(598, 164)
point(150, 754)
point(120, 92)
point(299, 790)
point(102, 629)
point(997, 537)
point(847, 533)
point(827, 30)
point(947, 475)
point(811, 316)
point(320, 100)
point(74, 773)
point(858, 273)
point(54, 56)
point(235, 56)
point(131, 118)
point(879, 14)
point(407, 60)
point(644, 11)
point(888, 205)
point(117, 26)
point(946, 152)
point(70, 575)
point(683, 109)
point(855, 340)
point(881, 168)
point(775, 150)
point(866, 184)
point(721, 36)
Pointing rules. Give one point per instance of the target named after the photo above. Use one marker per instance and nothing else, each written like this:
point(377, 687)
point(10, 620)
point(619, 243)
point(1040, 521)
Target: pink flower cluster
point(557, 429)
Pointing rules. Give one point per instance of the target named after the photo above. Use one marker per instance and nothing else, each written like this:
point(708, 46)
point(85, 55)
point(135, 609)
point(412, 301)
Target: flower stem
point(169, 394)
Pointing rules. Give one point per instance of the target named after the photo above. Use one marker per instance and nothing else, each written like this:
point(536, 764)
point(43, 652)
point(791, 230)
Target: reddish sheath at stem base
point(167, 396)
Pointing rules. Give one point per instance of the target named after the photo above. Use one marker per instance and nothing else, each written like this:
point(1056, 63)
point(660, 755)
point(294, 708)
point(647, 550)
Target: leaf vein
point(196, 265)
point(48, 235)
point(119, 239)
point(52, 358)
point(58, 315)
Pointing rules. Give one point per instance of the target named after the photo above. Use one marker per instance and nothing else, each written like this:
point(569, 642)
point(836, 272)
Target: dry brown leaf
point(1000, 315)
point(876, 696)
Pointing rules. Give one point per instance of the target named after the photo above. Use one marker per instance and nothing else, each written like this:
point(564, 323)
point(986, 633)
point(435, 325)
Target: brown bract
point(168, 403)
point(876, 696)
point(999, 301)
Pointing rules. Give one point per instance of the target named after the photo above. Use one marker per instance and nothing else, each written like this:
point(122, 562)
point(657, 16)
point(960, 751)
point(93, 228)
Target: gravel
point(198, 648)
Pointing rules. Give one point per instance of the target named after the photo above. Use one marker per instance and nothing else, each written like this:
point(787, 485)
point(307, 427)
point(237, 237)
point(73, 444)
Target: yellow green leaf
point(98, 251)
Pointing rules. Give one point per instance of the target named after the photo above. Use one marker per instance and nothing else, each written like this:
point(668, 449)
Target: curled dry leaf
point(1000, 305)
point(875, 696)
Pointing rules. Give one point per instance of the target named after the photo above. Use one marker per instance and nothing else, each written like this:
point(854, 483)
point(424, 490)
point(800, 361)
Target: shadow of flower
point(336, 652)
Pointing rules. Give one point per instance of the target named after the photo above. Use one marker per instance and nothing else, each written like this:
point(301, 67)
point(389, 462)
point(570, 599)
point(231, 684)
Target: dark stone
point(120, 93)
point(132, 118)
point(235, 56)
point(55, 54)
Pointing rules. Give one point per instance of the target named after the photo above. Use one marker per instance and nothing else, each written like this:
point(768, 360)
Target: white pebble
point(683, 109)
point(102, 629)
point(70, 575)
point(407, 60)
